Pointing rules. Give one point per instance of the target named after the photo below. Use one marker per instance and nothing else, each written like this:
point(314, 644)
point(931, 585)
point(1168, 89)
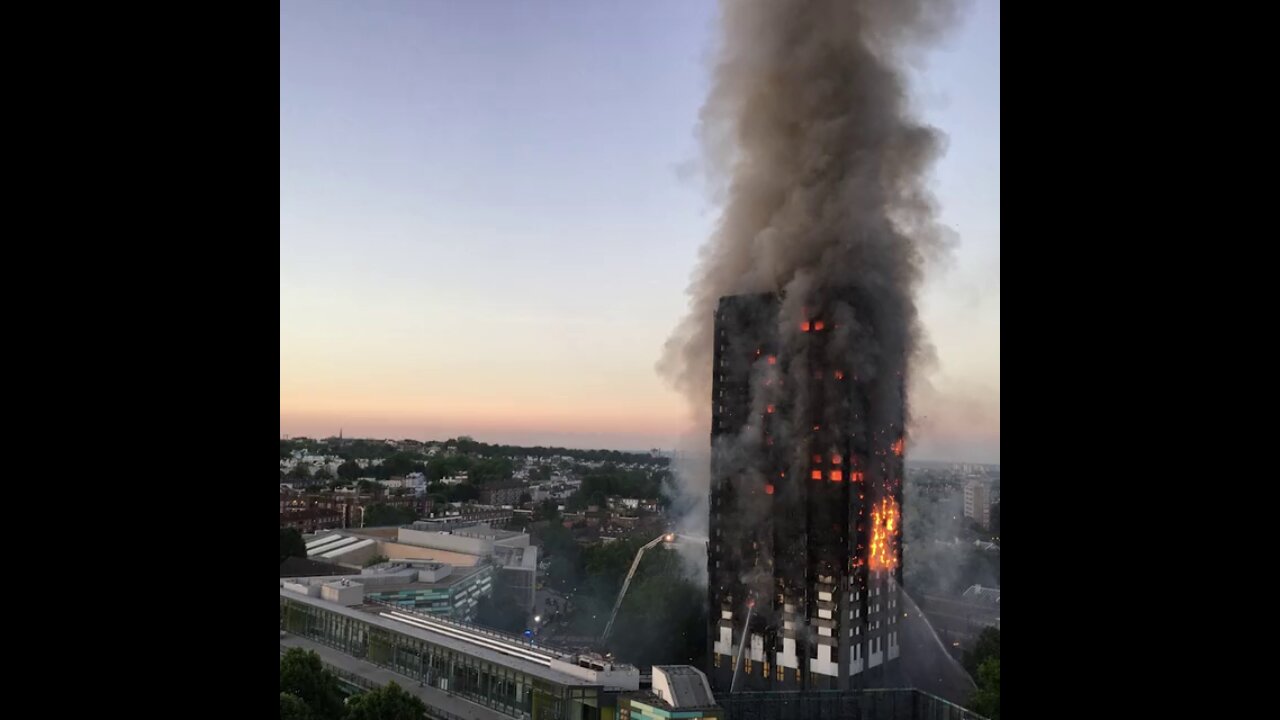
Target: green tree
point(323, 474)
point(390, 702)
point(463, 492)
point(399, 464)
point(301, 471)
point(375, 560)
point(349, 470)
point(292, 708)
point(558, 541)
point(986, 699)
point(303, 676)
point(985, 647)
point(562, 573)
point(291, 544)
point(501, 612)
point(382, 515)
point(491, 470)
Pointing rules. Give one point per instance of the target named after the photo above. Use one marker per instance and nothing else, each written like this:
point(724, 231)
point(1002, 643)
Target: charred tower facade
point(804, 558)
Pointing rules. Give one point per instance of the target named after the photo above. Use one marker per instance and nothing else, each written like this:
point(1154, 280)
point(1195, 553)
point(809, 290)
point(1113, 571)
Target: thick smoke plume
point(821, 170)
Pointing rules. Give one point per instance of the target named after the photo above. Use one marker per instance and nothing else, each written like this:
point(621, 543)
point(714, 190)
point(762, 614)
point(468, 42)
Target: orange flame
point(816, 474)
point(837, 476)
point(818, 325)
point(768, 489)
point(899, 446)
point(839, 374)
point(804, 326)
point(885, 521)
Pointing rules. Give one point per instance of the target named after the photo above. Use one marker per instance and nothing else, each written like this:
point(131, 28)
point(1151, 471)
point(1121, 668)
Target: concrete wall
point(516, 541)
point(435, 574)
point(348, 594)
point(302, 588)
point(412, 552)
point(624, 679)
point(441, 541)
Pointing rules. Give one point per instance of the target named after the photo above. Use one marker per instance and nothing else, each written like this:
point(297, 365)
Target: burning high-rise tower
point(804, 560)
point(802, 317)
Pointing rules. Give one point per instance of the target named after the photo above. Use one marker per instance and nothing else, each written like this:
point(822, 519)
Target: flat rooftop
point(688, 686)
point(485, 532)
point(455, 576)
point(372, 614)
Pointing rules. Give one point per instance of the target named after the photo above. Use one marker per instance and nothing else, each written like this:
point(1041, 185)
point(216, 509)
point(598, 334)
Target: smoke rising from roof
point(821, 169)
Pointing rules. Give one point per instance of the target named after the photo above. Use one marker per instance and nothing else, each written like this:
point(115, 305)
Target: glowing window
point(817, 459)
point(839, 374)
point(816, 475)
point(773, 359)
point(837, 476)
point(804, 326)
point(769, 409)
point(768, 489)
point(818, 324)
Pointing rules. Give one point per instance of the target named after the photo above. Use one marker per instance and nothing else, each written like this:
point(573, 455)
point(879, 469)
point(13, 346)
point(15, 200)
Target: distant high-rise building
point(977, 502)
point(804, 560)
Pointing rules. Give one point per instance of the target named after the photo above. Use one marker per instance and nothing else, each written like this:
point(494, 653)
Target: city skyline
point(489, 215)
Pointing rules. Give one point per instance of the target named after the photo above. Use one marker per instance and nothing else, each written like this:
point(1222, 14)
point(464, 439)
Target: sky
point(488, 221)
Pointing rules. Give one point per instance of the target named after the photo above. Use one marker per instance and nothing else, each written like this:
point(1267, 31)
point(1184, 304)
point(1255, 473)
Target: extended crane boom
point(665, 537)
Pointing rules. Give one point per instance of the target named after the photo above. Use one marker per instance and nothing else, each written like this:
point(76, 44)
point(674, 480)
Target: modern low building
point(678, 691)
point(433, 588)
point(511, 551)
point(514, 678)
point(501, 560)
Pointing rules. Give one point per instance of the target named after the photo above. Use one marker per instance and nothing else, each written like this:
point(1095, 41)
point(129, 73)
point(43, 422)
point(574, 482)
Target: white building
point(977, 502)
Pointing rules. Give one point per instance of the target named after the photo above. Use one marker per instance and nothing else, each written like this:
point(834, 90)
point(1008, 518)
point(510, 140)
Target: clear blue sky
point(487, 220)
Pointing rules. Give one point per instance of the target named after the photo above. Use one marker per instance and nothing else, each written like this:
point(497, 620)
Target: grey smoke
point(821, 169)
